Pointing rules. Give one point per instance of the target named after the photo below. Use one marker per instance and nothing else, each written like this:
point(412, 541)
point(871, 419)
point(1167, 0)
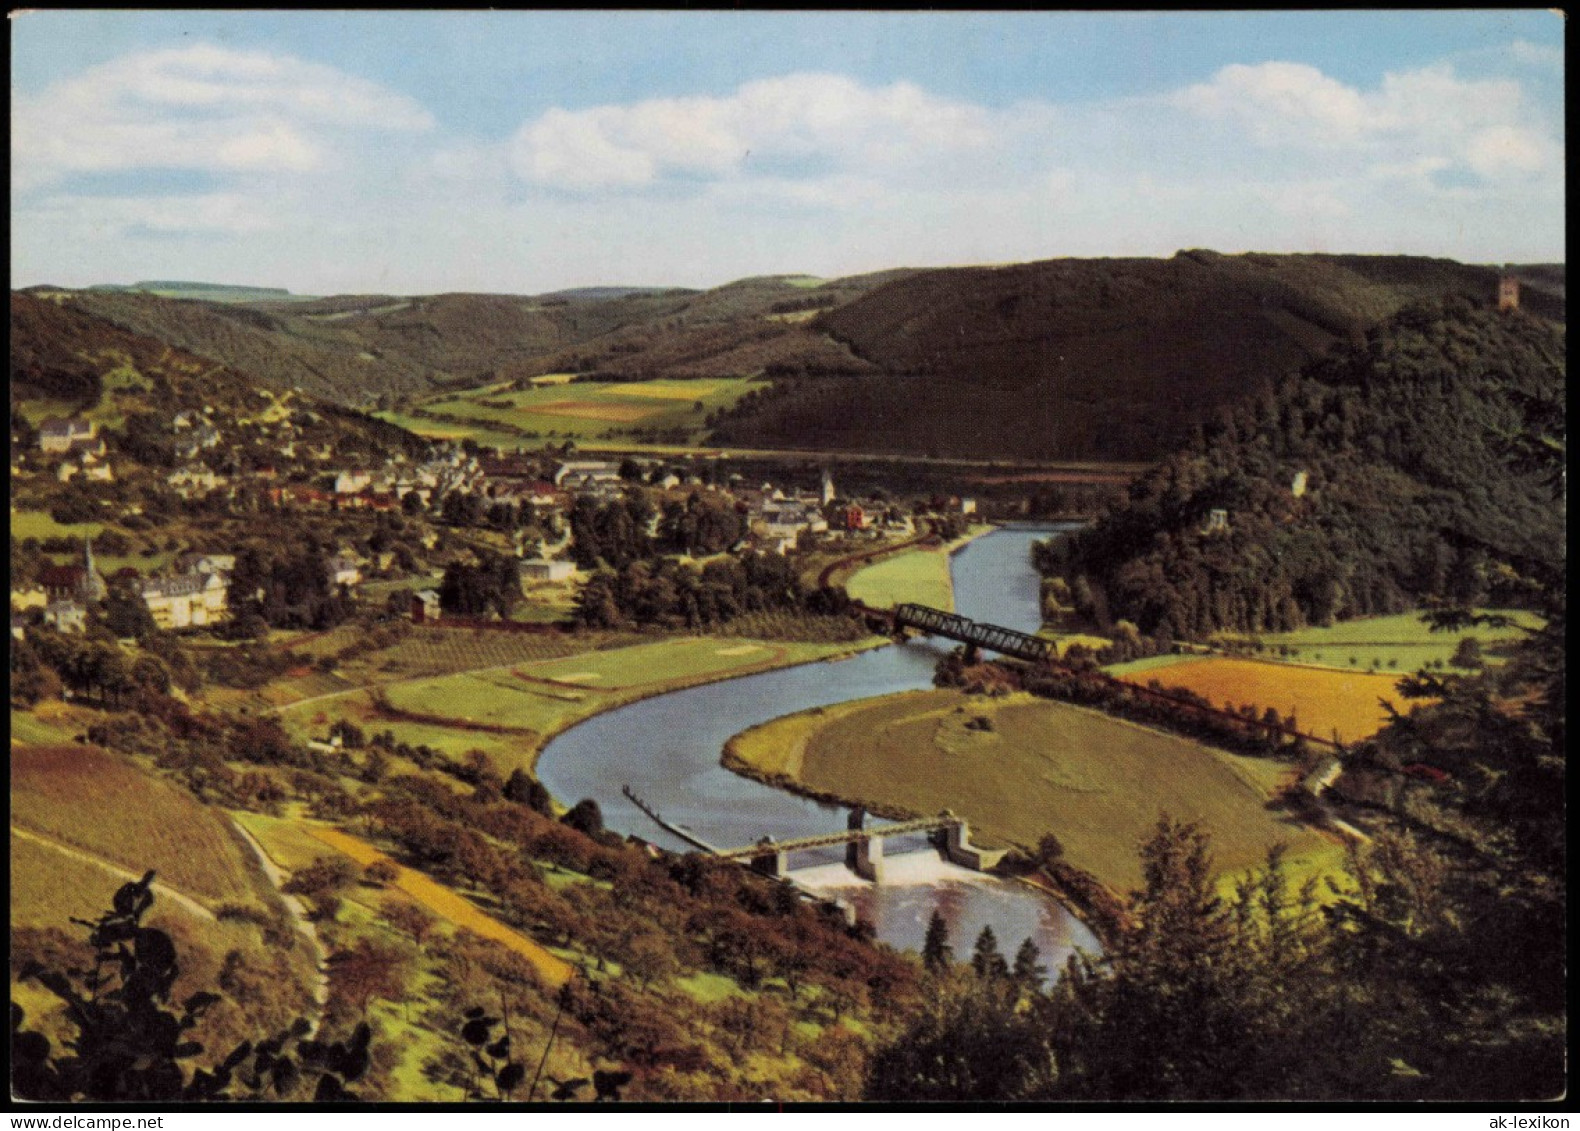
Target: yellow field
point(450, 906)
point(666, 390)
point(1323, 701)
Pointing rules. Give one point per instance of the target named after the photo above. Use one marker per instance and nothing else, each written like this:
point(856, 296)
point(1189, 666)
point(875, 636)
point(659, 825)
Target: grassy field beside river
point(1034, 767)
point(509, 711)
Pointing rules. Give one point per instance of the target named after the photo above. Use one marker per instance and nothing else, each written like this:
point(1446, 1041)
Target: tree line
point(672, 594)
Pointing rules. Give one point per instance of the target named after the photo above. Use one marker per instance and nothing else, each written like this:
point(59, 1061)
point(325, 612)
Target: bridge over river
point(974, 634)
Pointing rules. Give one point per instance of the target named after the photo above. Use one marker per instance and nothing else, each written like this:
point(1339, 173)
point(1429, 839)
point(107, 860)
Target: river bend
point(667, 749)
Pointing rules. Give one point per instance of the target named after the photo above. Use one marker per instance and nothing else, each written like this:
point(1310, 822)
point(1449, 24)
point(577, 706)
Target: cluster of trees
point(490, 585)
point(700, 526)
point(611, 534)
point(1410, 489)
point(1397, 988)
point(629, 529)
point(285, 584)
point(90, 665)
point(673, 594)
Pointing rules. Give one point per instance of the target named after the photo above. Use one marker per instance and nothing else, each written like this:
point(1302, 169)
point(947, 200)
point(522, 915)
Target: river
point(667, 749)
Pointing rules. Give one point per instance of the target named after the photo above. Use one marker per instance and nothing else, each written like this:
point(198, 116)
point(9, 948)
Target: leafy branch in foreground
point(131, 1045)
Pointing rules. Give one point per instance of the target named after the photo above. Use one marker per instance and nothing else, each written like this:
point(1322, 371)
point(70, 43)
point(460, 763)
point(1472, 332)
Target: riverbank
point(665, 687)
point(918, 571)
point(512, 712)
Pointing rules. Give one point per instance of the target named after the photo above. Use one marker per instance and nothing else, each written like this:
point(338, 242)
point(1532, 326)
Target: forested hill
point(1088, 358)
point(1411, 448)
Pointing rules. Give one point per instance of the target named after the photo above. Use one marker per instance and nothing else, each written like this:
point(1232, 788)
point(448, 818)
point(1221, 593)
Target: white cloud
point(824, 121)
point(1425, 118)
point(1277, 101)
point(203, 108)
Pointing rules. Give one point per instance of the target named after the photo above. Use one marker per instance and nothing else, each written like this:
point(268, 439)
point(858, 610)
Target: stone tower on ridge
point(1508, 292)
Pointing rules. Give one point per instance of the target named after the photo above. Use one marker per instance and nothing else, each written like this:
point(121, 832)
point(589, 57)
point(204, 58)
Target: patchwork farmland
point(629, 413)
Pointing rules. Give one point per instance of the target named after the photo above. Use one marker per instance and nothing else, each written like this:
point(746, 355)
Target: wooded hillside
point(1414, 465)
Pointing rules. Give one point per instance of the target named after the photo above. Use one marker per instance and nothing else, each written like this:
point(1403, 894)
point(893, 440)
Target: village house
point(195, 562)
point(30, 597)
point(72, 433)
point(350, 482)
point(203, 437)
point(574, 474)
point(193, 479)
point(67, 616)
point(188, 600)
point(345, 569)
point(425, 607)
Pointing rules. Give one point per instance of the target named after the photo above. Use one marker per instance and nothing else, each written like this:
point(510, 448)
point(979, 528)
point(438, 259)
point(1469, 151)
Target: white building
point(586, 471)
point(350, 482)
point(64, 435)
point(541, 569)
point(193, 599)
point(345, 569)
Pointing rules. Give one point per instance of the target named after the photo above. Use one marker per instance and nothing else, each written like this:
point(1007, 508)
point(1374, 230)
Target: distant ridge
point(158, 285)
point(605, 294)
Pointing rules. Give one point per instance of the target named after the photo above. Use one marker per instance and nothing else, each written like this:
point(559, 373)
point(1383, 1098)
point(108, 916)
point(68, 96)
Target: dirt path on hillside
point(450, 906)
point(186, 901)
point(304, 923)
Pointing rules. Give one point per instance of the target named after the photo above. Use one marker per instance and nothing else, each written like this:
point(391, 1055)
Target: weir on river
point(666, 751)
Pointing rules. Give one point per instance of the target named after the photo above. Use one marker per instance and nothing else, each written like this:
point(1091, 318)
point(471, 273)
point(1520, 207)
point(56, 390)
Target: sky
point(413, 153)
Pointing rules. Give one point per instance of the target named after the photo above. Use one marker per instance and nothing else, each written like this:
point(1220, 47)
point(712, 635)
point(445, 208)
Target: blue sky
point(528, 151)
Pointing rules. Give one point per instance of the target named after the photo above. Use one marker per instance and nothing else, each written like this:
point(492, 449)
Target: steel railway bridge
point(994, 638)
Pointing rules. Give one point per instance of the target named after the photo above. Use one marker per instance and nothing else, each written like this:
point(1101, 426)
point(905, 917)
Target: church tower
point(93, 587)
point(828, 487)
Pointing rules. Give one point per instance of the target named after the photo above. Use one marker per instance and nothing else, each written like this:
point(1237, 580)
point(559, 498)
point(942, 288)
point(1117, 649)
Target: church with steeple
point(82, 582)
